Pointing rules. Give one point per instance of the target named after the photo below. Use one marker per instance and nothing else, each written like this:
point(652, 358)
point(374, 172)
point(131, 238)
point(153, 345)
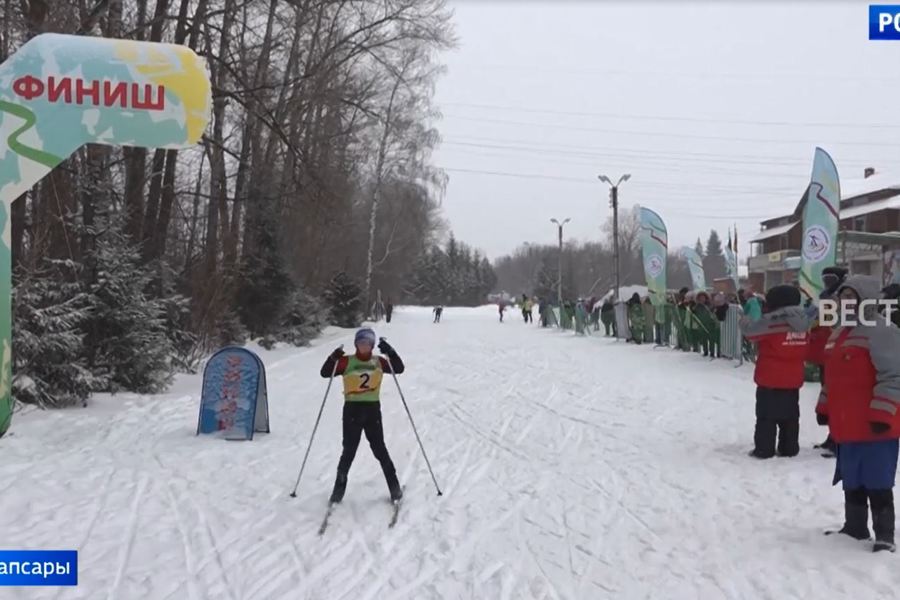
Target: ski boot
point(757, 454)
point(393, 485)
point(856, 516)
point(396, 492)
point(883, 522)
point(340, 486)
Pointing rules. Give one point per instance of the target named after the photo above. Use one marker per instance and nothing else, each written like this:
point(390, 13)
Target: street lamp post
point(614, 202)
point(559, 278)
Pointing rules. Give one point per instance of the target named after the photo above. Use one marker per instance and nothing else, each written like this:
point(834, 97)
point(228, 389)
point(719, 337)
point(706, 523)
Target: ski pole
point(315, 427)
point(415, 431)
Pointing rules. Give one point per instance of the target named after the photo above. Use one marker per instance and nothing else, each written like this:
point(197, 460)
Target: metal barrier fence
point(623, 330)
point(731, 342)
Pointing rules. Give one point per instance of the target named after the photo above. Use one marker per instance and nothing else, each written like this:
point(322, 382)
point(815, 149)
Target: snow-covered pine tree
point(127, 341)
point(344, 300)
point(698, 247)
point(430, 281)
point(546, 278)
point(178, 321)
point(50, 309)
point(303, 320)
point(714, 259)
point(488, 276)
point(264, 286)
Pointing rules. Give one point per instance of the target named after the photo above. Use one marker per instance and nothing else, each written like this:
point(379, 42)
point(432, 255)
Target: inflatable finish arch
point(59, 92)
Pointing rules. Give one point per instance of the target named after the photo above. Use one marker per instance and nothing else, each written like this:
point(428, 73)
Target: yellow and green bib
point(362, 379)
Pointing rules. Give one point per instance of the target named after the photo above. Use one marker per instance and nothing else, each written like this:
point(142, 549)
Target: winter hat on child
point(365, 334)
point(891, 292)
point(832, 277)
point(781, 296)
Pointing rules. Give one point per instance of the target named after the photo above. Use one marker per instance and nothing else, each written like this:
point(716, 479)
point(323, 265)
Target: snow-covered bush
point(344, 300)
point(303, 320)
point(128, 342)
point(50, 311)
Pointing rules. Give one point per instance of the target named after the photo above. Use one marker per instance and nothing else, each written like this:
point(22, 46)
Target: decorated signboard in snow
point(234, 403)
point(59, 92)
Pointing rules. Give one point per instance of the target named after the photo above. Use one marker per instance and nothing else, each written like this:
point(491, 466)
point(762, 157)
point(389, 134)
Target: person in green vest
point(649, 319)
point(691, 324)
point(680, 318)
point(709, 326)
point(608, 316)
point(527, 308)
point(664, 320)
point(750, 304)
point(594, 310)
point(362, 374)
point(581, 317)
point(567, 315)
point(636, 318)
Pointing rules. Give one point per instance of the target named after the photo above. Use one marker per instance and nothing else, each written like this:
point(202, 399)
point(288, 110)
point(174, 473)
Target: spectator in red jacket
point(832, 278)
point(781, 336)
point(860, 403)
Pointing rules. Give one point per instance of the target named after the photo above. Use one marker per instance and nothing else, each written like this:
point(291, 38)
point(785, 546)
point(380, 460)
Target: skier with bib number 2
point(362, 374)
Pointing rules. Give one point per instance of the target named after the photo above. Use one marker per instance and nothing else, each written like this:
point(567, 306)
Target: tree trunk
point(195, 213)
point(135, 175)
point(148, 229)
point(376, 192)
point(158, 242)
point(217, 184)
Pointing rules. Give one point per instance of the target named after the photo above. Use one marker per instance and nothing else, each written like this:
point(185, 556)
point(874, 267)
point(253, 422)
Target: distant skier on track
point(362, 374)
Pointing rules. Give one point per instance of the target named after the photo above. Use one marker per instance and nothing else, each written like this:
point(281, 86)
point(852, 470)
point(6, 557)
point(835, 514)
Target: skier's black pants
point(777, 412)
point(365, 417)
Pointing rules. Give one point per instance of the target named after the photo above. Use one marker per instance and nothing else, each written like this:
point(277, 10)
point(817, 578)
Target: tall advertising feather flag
point(655, 246)
point(820, 224)
point(695, 264)
point(731, 261)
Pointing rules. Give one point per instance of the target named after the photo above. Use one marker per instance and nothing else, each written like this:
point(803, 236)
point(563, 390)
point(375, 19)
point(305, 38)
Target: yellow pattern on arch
point(187, 79)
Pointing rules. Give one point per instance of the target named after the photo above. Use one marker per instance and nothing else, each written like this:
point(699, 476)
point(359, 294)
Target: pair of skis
point(395, 515)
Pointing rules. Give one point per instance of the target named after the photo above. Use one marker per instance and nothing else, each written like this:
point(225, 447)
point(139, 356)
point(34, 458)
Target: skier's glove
point(337, 354)
point(879, 428)
point(386, 348)
point(821, 419)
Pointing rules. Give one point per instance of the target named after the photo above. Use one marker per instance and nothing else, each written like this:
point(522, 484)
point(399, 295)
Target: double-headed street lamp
point(614, 202)
point(559, 279)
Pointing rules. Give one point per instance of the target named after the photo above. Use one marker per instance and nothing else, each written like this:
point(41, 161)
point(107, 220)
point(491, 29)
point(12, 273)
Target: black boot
point(390, 476)
point(396, 491)
point(856, 515)
point(340, 486)
point(883, 520)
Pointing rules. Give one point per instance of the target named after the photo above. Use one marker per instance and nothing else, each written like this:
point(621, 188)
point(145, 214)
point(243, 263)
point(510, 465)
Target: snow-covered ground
point(571, 468)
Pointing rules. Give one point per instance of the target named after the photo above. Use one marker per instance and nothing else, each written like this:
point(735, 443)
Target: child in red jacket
point(860, 403)
point(781, 336)
point(832, 278)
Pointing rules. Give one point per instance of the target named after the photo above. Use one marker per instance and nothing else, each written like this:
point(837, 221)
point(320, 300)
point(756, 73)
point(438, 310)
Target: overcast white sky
point(714, 108)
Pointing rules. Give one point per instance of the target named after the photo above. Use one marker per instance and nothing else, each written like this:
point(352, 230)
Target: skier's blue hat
point(365, 334)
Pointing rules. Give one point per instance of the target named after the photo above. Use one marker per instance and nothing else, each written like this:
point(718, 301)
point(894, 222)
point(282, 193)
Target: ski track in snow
point(572, 468)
